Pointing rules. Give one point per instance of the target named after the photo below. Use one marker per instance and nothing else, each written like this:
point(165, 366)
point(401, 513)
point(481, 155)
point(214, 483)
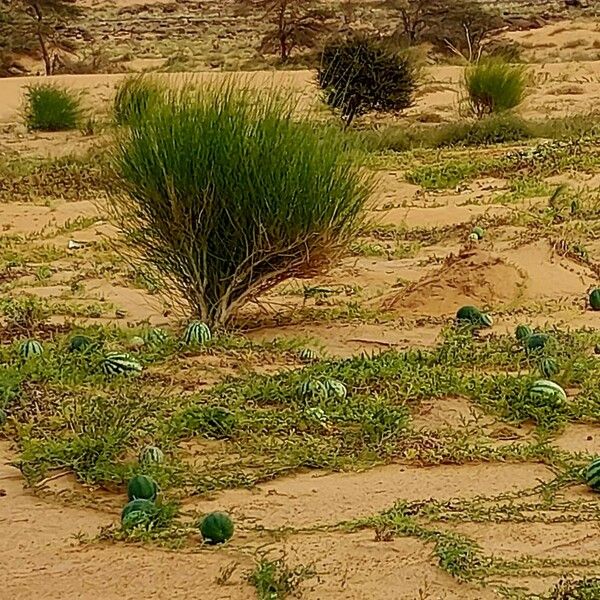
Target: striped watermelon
point(312, 388)
point(137, 512)
point(595, 299)
point(536, 341)
point(156, 336)
point(522, 332)
point(196, 334)
point(478, 233)
point(308, 355)
point(471, 315)
point(335, 389)
point(116, 363)
point(549, 367)
point(592, 475)
point(80, 343)
point(142, 487)
point(30, 348)
point(216, 528)
point(151, 455)
point(544, 389)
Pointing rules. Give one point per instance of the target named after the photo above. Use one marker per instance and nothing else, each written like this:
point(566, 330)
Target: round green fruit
point(536, 341)
point(549, 367)
point(545, 391)
point(79, 343)
point(592, 475)
point(479, 232)
point(142, 487)
point(145, 507)
point(595, 299)
point(151, 455)
point(216, 528)
point(522, 332)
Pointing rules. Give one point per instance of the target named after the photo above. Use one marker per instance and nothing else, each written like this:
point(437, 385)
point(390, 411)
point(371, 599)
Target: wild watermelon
point(79, 343)
point(549, 367)
point(478, 232)
point(117, 363)
point(536, 341)
point(142, 487)
point(543, 389)
point(471, 315)
point(151, 455)
point(595, 299)
point(522, 332)
point(156, 336)
point(335, 389)
point(313, 388)
point(136, 512)
point(30, 348)
point(196, 334)
point(592, 475)
point(216, 528)
point(308, 355)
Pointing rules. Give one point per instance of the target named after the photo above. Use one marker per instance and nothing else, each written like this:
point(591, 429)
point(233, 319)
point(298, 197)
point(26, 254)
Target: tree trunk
point(282, 34)
point(40, 36)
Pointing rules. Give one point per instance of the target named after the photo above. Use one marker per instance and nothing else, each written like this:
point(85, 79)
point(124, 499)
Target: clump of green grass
point(575, 589)
point(494, 86)
point(134, 97)
point(226, 195)
point(49, 107)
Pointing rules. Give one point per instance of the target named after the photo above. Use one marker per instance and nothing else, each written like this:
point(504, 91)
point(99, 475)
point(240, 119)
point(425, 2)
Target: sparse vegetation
point(453, 343)
point(51, 108)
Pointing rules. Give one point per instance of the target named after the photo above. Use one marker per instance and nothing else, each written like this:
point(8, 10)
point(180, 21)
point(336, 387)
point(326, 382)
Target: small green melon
point(595, 299)
point(216, 528)
point(142, 487)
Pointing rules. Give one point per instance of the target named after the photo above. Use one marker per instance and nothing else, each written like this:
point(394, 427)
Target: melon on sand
point(216, 528)
point(142, 487)
point(473, 277)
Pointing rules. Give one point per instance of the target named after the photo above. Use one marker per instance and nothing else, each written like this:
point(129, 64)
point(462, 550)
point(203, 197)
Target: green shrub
point(494, 86)
point(226, 196)
point(51, 108)
point(133, 97)
point(493, 129)
point(359, 74)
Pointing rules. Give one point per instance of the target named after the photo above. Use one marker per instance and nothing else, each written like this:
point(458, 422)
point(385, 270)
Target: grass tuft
point(494, 86)
point(51, 108)
point(134, 97)
point(226, 195)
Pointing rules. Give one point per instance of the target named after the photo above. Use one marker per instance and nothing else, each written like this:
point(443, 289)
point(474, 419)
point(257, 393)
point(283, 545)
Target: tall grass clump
point(133, 98)
point(494, 86)
point(49, 107)
point(226, 195)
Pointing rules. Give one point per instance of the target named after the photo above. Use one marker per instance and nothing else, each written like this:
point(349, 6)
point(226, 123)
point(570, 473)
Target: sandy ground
point(38, 537)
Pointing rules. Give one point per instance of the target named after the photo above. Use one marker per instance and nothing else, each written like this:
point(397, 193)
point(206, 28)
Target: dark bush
point(360, 74)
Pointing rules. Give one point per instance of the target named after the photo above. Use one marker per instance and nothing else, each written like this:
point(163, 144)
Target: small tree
point(43, 19)
point(293, 24)
point(225, 195)
point(359, 74)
